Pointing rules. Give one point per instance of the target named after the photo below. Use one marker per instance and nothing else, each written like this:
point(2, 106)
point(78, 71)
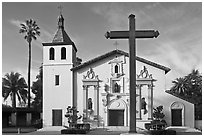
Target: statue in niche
point(143, 105)
point(116, 88)
point(90, 103)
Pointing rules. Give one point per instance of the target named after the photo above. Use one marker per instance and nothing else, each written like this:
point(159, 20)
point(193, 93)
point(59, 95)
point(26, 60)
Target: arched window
point(116, 69)
point(63, 53)
point(52, 53)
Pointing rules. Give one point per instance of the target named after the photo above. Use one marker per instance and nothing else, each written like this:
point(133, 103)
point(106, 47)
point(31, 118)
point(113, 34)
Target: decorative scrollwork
point(90, 74)
point(144, 74)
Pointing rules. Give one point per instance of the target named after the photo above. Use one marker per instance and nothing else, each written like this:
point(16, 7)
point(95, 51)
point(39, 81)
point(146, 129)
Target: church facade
point(99, 88)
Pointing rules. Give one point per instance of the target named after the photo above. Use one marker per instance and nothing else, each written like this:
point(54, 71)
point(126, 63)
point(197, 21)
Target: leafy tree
point(71, 115)
point(30, 29)
point(13, 84)
point(157, 113)
point(190, 87)
point(37, 89)
point(194, 82)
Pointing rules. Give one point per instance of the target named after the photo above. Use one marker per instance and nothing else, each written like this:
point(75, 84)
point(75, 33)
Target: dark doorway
point(176, 117)
point(21, 119)
point(116, 117)
point(57, 117)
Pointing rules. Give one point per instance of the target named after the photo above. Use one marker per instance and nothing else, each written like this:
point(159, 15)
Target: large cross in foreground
point(132, 34)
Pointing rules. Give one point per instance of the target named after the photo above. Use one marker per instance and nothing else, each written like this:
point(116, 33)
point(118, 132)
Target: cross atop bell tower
point(60, 19)
point(60, 8)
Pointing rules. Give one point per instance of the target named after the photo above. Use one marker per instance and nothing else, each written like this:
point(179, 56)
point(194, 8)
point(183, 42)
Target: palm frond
point(19, 98)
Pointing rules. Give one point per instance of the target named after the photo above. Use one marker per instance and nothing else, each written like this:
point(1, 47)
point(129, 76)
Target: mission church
point(99, 88)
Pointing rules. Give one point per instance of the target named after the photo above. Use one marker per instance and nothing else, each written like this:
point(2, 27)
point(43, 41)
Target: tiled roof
point(179, 96)
point(61, 37)
point(166, 69)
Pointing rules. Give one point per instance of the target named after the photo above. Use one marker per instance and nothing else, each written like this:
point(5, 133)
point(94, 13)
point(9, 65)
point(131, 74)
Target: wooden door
point(57, 117)
point(176, 117)
point(116, 117)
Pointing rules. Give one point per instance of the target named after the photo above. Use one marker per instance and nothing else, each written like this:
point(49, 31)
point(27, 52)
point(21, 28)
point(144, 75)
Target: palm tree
point(190, 87)
point(179, 86)
point(30, 29)
point(12, 85)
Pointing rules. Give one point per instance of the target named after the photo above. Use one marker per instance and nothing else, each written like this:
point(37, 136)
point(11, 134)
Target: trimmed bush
point(77, 129)
point(147, 126)
point(73, 131)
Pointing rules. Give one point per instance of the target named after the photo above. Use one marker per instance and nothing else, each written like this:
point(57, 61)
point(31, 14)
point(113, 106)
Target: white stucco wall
point(57, 96)
point(103, 70)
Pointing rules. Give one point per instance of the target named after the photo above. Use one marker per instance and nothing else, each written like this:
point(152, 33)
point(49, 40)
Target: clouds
point(16, 23)
point(179, 57)
point(115, 13)
point(178, 46)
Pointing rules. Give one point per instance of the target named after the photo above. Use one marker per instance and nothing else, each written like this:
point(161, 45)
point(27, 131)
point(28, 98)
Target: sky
point(179, 45)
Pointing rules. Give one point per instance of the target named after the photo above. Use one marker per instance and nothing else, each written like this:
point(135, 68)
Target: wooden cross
point(60, 7)
point(132, 34)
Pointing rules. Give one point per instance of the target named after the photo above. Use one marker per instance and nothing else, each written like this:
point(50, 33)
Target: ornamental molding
point(177, 105)
point(144, 73)
point(90, 75)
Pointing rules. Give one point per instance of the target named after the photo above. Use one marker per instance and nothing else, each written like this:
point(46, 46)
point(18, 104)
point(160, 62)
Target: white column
point(138, 89)
point(140, 97)
point(95, 100)
point(13, 119)
point(85, 100)
point(150, 101)
point(96, 109)
point(28, 119)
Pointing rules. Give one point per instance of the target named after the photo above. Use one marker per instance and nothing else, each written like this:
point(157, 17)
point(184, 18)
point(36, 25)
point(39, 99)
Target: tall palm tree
point(31, 30)
point(13, 84)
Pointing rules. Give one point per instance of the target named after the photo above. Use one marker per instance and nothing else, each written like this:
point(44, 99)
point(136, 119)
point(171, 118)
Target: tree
point(71, 115)
point(13, 84)
point(179, 86)
point(194, 91)
point(30, 29)
point(190, 87)
point(37, 89)
point(158, 114)
point(194, 82)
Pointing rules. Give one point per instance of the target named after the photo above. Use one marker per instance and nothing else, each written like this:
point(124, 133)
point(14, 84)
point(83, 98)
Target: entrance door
point(116, 117)
point(57, 117)
point(176, 117)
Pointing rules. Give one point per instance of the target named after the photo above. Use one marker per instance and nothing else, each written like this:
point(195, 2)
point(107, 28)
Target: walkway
point(56, 130)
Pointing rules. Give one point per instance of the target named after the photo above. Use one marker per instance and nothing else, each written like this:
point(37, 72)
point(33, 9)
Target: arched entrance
point(91, 103)
point(177, 114)
point(117, 113)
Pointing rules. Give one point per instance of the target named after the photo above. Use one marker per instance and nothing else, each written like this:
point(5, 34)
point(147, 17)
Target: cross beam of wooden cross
point(138, 34)
point(132, 34)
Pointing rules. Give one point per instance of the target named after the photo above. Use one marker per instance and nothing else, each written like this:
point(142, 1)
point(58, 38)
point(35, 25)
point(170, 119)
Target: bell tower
point(59, 56)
